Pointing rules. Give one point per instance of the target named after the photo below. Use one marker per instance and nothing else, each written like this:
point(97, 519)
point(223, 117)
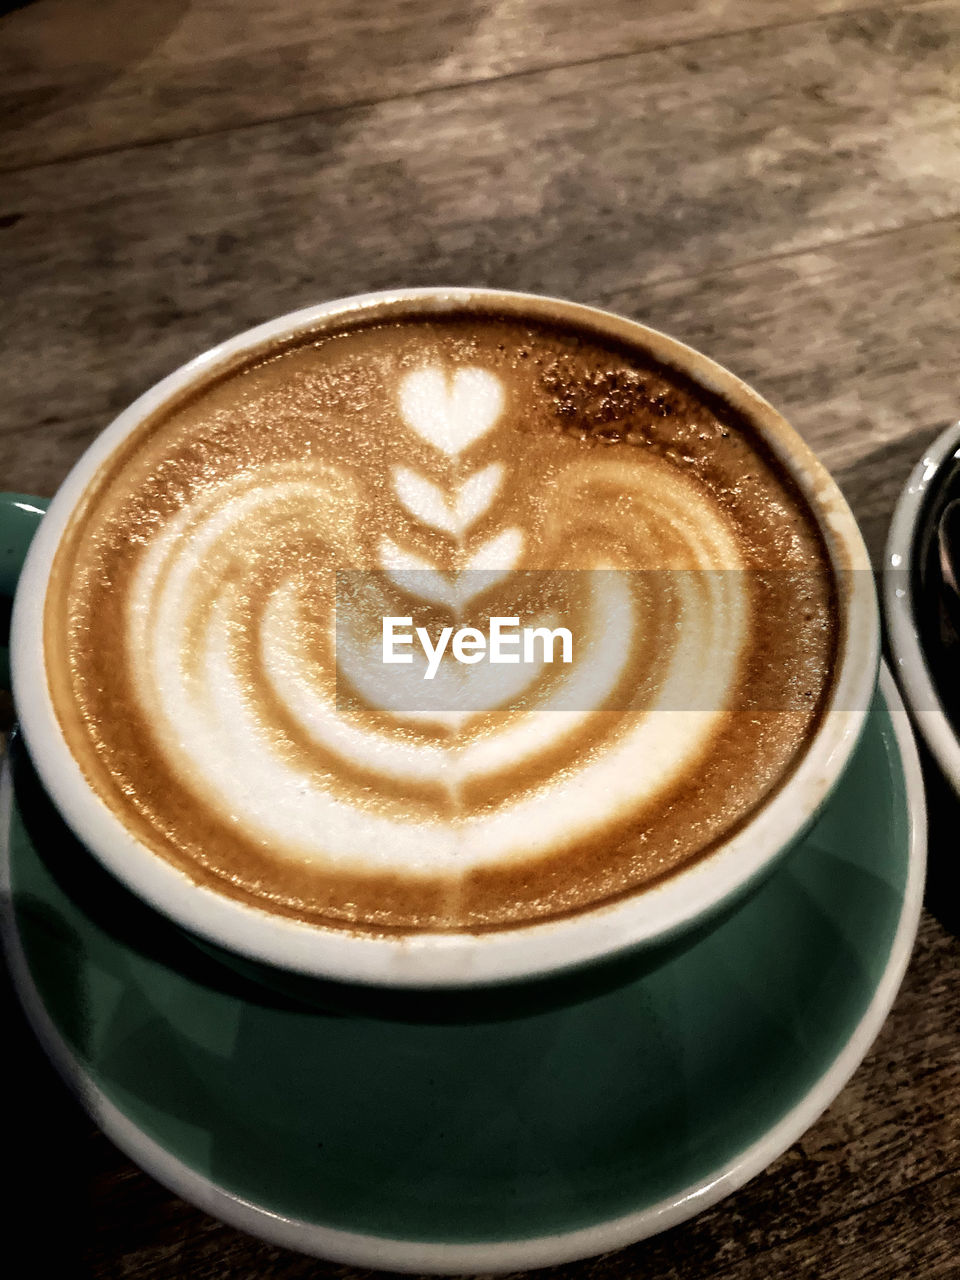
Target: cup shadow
point(112, 908)
point(134, 925)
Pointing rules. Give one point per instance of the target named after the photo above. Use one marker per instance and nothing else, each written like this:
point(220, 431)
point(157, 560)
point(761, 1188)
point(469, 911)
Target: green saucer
point(485, 1145)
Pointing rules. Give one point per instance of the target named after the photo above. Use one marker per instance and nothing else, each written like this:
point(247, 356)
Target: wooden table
point(776, 182)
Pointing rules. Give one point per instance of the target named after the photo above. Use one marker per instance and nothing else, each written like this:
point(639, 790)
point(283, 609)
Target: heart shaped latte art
point(451, 415)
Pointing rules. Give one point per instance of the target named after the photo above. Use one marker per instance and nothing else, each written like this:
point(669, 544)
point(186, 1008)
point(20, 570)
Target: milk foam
point(213, 624)
point(224, 704)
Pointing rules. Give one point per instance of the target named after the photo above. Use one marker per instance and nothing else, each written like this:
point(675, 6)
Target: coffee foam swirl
point(209, 654)
point(219, 600)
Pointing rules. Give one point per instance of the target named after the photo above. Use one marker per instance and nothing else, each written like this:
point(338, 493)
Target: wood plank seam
point(361, 104)
point(785, 256)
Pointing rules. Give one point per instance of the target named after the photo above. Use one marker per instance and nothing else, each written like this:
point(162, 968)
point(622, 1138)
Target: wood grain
point(852, 342)
point(636, 172)
point(79, 78)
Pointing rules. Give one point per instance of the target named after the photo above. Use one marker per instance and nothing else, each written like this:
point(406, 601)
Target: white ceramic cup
point(651, 916)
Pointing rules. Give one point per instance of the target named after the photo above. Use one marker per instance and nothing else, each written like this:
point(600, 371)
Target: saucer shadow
point(47, 1141)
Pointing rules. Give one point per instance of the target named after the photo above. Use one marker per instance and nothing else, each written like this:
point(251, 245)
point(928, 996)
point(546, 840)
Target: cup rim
point(908, 658)
point(428, 959)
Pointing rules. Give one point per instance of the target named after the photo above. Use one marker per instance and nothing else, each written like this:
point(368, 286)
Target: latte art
point(214, 626)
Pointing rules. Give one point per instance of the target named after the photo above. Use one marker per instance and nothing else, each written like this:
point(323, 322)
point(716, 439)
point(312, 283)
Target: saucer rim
point(441, 1258)
point(907, 659)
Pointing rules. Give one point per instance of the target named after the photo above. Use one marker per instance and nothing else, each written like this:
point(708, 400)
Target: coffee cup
point(183, 679)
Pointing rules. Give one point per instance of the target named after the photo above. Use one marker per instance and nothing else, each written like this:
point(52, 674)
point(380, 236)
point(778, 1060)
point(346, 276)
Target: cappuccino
point(226, 696)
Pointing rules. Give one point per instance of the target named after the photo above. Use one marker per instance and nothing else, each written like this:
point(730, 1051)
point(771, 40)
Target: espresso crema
point(218, 684)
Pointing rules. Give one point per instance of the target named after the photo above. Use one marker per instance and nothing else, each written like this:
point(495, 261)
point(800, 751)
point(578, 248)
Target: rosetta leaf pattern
point(469, 500)
point(451, 414)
